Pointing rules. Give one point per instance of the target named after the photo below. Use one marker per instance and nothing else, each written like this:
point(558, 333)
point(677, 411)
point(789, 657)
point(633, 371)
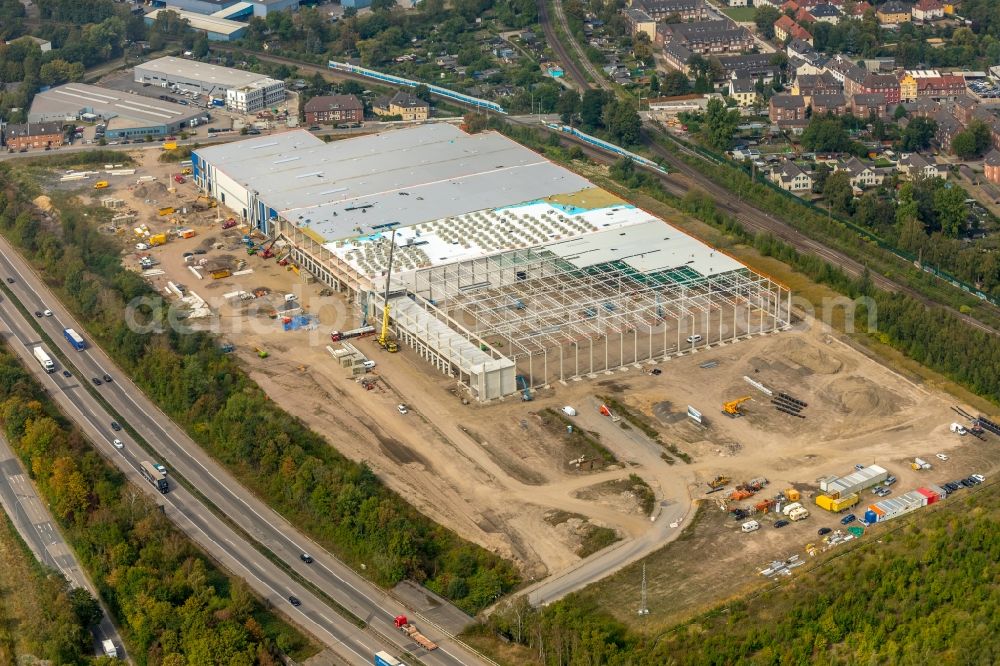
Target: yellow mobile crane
point(732, 408)
point(384, 340)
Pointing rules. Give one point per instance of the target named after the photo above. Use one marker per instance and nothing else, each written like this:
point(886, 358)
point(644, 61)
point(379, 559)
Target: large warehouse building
point(508, 271)
point(127, 115)
point(246, 92)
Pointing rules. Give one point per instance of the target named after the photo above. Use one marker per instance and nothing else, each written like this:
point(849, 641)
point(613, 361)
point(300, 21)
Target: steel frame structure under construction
point(558, 321)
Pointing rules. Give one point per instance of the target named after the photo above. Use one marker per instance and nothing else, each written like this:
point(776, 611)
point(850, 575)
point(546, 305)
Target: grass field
point(739, 14)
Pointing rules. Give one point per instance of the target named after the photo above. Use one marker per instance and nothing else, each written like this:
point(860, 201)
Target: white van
point(751, 526)
point(568, 411)
point(693, 338)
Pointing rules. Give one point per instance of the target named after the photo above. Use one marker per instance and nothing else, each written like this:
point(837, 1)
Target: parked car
point(823, 531)
point(849, 518)
point(979, 477)
point(369, 364)
point(780, 523)
point(693, 338)
point(890, 480)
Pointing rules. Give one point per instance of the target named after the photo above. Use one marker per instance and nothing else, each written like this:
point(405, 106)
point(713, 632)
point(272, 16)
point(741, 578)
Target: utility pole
point(643, 607)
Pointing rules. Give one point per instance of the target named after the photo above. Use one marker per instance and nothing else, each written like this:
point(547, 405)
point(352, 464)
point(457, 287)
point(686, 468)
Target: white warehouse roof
point(408, 176)
point(227, 77)
point(72, 98)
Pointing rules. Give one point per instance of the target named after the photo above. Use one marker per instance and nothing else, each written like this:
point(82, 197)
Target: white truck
point(44, 360)
point(109, 648)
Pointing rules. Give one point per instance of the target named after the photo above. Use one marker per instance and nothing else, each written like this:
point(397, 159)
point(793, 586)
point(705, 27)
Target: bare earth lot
point(501, 474)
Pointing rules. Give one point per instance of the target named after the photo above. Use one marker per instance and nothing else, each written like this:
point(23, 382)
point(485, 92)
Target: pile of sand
point(43, 202)
point(149, 190)
point(858, 396)
point(809, 356)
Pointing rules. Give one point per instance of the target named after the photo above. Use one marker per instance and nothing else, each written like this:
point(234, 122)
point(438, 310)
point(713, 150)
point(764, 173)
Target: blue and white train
point(604, 145)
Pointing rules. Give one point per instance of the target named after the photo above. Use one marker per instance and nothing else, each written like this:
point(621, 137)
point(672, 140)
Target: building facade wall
point(34, 142)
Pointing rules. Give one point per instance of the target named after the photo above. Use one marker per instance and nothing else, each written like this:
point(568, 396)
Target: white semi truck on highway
point(43, 359)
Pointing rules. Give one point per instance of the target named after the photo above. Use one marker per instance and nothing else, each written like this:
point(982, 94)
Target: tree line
point(173, 606)
point(921, 594)
point(339, 502)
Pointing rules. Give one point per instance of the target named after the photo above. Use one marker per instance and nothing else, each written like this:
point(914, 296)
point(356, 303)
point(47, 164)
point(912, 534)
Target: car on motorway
point(47, 313)
point(107, 378)
point(694, 338)
point(10, 280)
point(160, 468)
point(823, 531)
point(67, 373)
point(97, 382)
point(116, 426)
point(306, 557)
point(118, 444)
point(294, 601)
point(848, 519)
point(38, 313)
point(780, 523)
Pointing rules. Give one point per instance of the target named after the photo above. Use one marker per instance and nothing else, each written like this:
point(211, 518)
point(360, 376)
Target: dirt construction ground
point(498, 473)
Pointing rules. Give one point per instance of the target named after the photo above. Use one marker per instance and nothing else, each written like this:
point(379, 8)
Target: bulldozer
point(718, 482)
point(732, 408)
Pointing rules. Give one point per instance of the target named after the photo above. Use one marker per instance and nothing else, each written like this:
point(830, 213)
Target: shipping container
point(931, 496)
point(941, 492)
point(836, 504)
point(871, 516)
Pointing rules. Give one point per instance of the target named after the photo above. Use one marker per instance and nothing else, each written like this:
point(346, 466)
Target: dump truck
point(221, 273)
point(410, 630)
point(100, 185)
point(156, 239)
point(166, 210)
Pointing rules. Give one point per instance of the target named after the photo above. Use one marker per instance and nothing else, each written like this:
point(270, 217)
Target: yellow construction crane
point(732, 408)
point(384, 340)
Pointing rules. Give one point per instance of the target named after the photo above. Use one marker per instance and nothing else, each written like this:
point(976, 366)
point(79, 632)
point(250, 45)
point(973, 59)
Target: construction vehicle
point(718, 482)
point(261, 353)
point(764, 505)
point(167, 210)
point(178, 178)
point(220, 273)
point(267, 250)
point(206, 200)
point(230, 223)
point(100, 185)
point(410, 630)
point(187, 171)
point(740, 494)
point(170, 145)
point(732, 408)
point(384, 341)
point(522, 384)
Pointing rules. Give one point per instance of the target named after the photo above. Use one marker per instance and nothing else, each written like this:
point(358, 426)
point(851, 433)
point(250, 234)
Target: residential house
point(832, 102)
point(686, 10)
point(32, 135)
point(991, 167)
point(816, 84)
point(677, 56)
point(785, 28)
point(334, 109)
point(946, 86)
point(925, 107)
point(858, 81)
point(803, 16)
point(754, 66)
point(639, 21)
point(792, 178)
point(841, 69)
point(744, 91)
point(867, 105)
point(803, 50)
point(926, 11)
point(826, 13)
point(907, 86)
point(862, 175)
point(858, 9)
point(406, 105)
point(786, 107)
point(915, 166)
point(737, 3)
point(893, 12)
point(708, 37)
point(947, 127)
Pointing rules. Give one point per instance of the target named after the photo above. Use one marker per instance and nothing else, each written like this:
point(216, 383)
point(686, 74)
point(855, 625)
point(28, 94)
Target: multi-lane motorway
point(34, 522)
point(252, 526)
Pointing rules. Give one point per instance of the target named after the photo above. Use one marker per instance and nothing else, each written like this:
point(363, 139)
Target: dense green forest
point(41, 599)
point(341, 503)
point(172, 604)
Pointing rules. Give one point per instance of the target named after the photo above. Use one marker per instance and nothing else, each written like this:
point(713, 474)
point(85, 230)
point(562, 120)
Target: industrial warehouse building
point(229, 9)
point(508, 269)
point(245, 92)
point(126, 115)
point(216, 28)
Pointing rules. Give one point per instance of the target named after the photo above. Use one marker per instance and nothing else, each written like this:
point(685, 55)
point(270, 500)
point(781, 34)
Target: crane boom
point(383, 338)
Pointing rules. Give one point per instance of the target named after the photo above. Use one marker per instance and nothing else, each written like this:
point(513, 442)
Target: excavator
point(732, 408)
point(384, 341)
